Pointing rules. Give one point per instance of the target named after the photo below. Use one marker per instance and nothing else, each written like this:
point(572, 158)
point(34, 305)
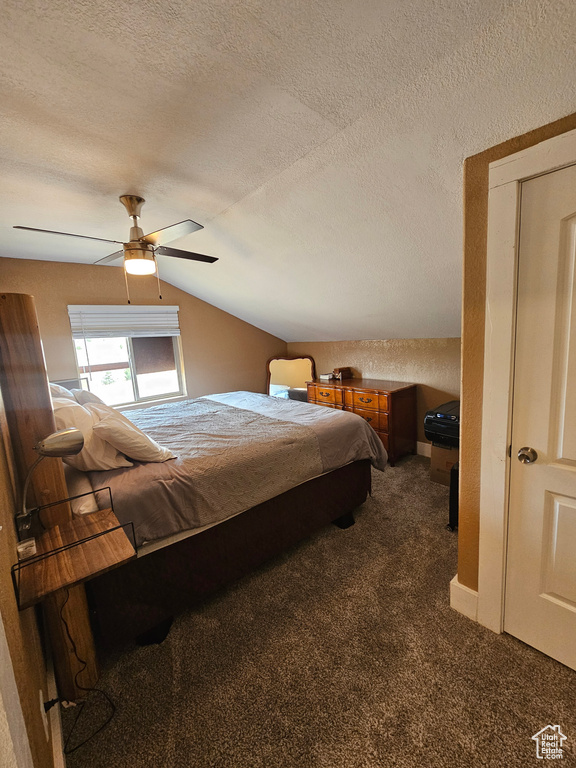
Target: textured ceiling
point(320, 144)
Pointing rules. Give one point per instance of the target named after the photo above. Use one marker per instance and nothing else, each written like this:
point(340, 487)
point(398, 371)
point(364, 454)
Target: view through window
point(123, 370)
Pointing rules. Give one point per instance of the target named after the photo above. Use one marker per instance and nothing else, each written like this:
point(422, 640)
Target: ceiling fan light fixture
point(140, 266)
point(139, 259)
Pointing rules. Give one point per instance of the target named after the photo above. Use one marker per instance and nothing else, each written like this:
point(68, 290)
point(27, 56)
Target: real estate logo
point(549, 741)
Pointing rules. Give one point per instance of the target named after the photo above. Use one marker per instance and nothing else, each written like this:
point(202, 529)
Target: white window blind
point(109, 320)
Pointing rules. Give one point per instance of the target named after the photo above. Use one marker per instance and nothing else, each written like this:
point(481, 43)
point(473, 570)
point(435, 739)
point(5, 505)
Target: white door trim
point(505, 177)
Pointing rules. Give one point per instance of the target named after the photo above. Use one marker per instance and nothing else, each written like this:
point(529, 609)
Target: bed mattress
point(234, 451)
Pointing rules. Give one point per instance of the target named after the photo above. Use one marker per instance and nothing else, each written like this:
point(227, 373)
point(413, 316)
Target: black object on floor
point(453, 503)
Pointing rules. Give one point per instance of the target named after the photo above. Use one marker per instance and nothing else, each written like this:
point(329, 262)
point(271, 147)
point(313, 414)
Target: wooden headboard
point(27, 402)
point(29, 415)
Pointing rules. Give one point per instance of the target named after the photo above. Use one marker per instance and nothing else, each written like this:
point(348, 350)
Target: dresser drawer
point(365, 400)
point(383, 402)
point(372, 417)
point(376, 419)
point(328, 395)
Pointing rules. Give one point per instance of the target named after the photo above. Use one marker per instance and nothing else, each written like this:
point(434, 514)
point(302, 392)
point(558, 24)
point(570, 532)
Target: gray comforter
point(234, 450)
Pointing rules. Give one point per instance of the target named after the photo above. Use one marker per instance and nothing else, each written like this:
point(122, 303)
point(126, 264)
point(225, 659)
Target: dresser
point(388, 406)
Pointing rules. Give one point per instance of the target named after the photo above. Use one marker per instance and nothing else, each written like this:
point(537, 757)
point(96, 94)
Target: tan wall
point(221, 353)
point(21, 630)
point(474, 295)
point(433, 364)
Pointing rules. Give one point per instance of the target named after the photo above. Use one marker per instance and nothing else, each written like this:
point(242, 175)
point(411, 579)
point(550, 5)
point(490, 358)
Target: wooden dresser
point(388, 406)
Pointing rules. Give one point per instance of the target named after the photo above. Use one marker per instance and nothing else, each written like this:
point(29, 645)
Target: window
point(128, 354)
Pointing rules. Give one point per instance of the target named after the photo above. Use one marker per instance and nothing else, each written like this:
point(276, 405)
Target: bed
point(253, 475)
point(169, 575)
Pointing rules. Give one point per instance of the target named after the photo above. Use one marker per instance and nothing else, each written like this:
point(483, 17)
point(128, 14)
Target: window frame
point(179, 366)
point(179, 373)
point(141, 321)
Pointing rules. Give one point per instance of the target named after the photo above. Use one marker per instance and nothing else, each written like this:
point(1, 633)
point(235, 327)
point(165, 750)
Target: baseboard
point(463, 599)
point(424, 449)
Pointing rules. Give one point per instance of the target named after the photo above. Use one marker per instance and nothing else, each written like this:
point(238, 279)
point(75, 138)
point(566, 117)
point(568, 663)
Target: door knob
point(527, 455)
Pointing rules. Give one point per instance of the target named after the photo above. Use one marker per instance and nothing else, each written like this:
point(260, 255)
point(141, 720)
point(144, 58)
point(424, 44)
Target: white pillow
point(120, 432)
point(97, 453)
point(57, 391)
point(83, 396)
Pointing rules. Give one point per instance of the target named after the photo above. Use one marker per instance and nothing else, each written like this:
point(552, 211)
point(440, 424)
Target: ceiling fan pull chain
point(158, 278)
point(127, 289)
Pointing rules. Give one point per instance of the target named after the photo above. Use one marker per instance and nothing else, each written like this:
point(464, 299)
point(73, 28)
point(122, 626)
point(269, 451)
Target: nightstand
point(69, 554)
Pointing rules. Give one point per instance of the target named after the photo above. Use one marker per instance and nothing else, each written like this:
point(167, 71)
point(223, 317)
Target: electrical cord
point(67, 750)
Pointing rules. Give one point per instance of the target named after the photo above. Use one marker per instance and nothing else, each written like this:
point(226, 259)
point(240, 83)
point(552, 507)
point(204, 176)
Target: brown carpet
point(344, 653)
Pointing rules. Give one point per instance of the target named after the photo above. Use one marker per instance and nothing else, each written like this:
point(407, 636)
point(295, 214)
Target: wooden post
point(26, 396)
point(27, 401)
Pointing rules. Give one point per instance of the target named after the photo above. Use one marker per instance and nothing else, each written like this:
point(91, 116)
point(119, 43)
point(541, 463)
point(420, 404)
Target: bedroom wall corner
point(473, 316)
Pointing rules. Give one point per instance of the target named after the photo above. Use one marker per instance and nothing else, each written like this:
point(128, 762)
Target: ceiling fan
point(141, 250)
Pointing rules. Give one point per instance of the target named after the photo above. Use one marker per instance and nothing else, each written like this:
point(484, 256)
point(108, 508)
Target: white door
point(540, 603)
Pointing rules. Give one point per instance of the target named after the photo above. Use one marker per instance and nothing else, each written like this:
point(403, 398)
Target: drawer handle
point(368, 418)
point(365, 399)
point(325, 394)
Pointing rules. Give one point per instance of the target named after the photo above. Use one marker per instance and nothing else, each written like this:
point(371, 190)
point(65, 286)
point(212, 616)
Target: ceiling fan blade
point(163, 251)
point(68, 234)
point(173, 232)
point(112, 257)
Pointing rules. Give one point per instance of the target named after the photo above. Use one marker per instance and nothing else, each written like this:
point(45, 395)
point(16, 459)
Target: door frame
point(504, 199)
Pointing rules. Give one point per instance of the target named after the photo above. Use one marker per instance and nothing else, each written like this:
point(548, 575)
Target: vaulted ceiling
point(319, 143)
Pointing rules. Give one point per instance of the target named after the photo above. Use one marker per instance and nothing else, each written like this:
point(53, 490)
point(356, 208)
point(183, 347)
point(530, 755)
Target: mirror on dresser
point(287, 376)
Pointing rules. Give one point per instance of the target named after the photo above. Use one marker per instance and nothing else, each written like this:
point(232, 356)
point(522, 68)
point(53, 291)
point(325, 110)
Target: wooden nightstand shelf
point(388, 406)
point(69, 554)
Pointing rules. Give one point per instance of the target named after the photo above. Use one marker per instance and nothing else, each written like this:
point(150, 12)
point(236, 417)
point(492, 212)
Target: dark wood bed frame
point(132, 600)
